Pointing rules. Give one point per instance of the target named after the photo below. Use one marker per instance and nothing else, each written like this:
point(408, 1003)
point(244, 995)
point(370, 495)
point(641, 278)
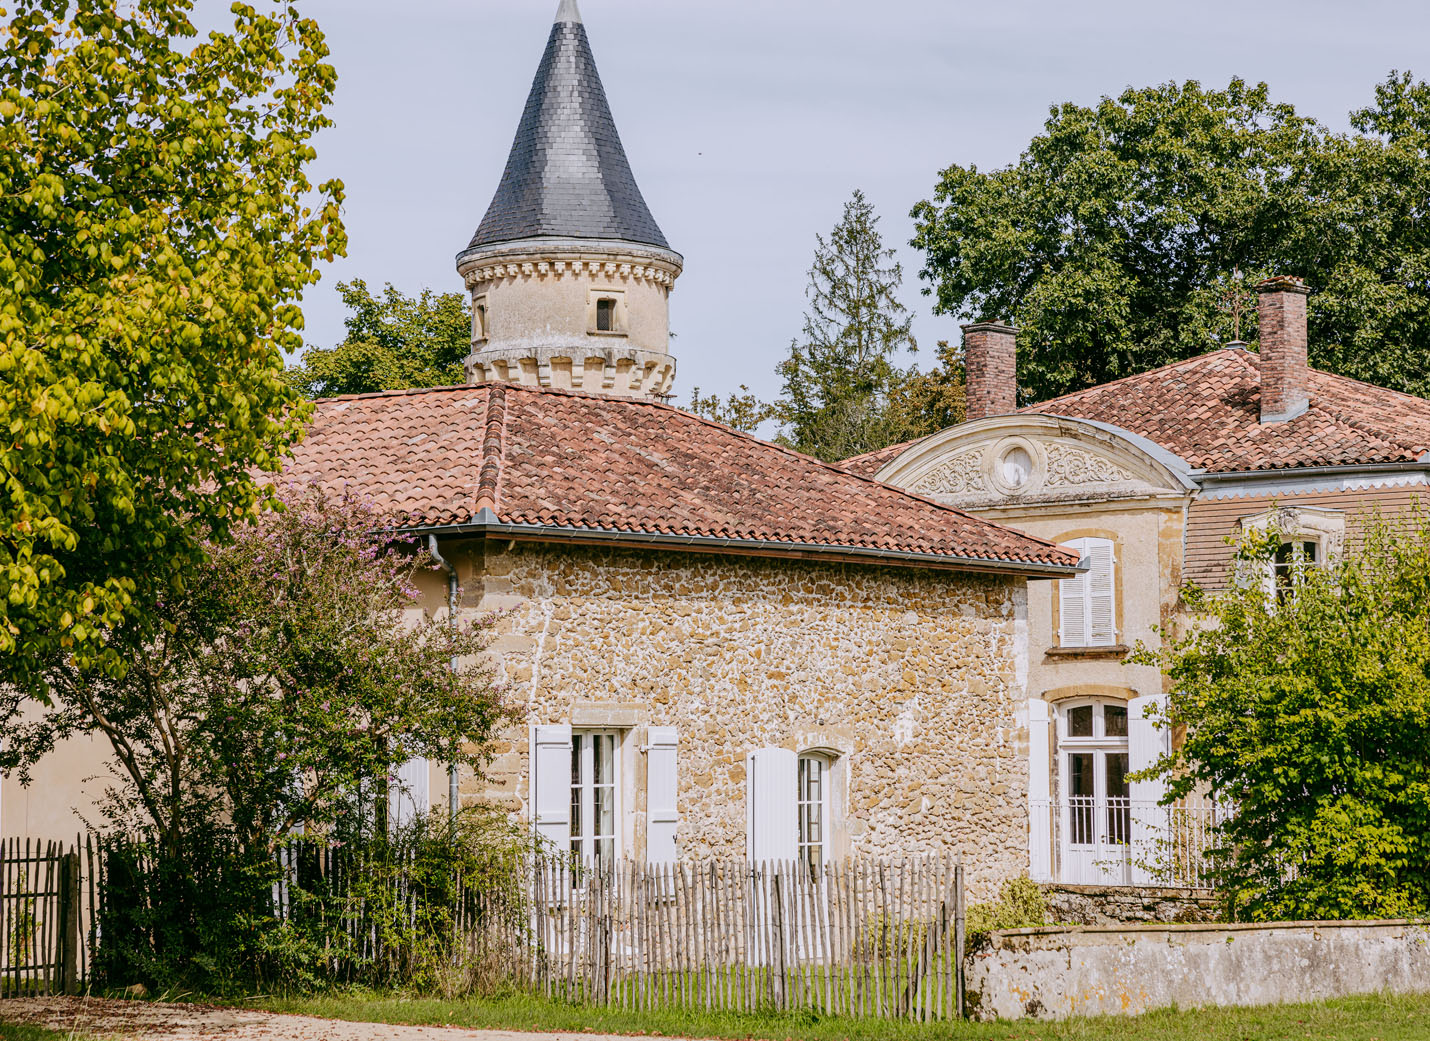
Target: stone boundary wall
point(1052, 973)
point(1123, 905)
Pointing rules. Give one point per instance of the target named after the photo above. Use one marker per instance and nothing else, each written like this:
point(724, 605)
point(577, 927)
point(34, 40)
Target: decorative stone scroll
point(960, 475)
point(1069, 465)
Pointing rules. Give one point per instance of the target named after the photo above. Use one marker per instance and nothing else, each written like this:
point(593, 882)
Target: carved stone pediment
point(1070, 465)
point(961, 475)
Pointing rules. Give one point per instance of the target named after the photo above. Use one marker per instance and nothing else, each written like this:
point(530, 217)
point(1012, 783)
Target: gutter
point(489, 525)
point(1421, 465)
point(452, 794)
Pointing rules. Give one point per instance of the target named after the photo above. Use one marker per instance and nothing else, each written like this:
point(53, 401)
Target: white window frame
point(1325, 528)
point(583, 837)
point(807, 810)
point(1078, 591)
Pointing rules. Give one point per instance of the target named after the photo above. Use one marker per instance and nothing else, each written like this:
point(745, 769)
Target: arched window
point(1087, 603)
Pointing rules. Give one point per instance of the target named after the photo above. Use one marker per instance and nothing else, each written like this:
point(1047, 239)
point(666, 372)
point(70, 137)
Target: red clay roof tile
point(434, 458)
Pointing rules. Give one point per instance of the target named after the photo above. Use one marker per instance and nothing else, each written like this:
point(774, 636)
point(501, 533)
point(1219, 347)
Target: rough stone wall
point(1113, 905)
point(1126, 970)
point(912, 677)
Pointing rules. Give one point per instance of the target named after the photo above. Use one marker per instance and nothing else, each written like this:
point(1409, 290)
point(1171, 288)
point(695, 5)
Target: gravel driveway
point(130, 1019)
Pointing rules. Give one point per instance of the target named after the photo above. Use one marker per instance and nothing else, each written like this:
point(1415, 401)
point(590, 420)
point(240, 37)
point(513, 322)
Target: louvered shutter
point(1040, 791)
point(1147, 742)
point(772, 788)
point(551, 785)
point(1072, 604)
point(1101, 594)
point(409, 800)
point(662, 787)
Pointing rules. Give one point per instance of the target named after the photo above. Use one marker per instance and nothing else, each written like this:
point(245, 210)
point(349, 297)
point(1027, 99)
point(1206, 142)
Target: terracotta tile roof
point(1207, 410)
point(435, 458)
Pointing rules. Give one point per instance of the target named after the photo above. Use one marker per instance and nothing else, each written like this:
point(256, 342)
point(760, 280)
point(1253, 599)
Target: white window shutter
point(662, 789)
point(1040, 792)
point(1146, 743)
point(551, 786)
point(772, 793)
point(409, 800)
point(1072, 604)
point(1101, 594)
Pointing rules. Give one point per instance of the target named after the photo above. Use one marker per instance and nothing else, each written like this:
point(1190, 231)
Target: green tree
point(157, 230)
point(288, 677)
point(1119, 236)
point(926, 402)
point(1307, 713)
point(838, 376)
point(393, 342)
point(741, 410)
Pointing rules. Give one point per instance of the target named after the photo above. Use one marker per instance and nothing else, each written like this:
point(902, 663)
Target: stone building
point(1147, 478)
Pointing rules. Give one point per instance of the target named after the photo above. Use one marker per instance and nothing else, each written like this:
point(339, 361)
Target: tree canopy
point(1123, 234)
point(157, 230)
point(393, 342)
point(1306, 704)
point(838, 375)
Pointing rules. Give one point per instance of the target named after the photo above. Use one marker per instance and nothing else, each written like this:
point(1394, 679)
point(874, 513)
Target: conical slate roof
point(567, 175)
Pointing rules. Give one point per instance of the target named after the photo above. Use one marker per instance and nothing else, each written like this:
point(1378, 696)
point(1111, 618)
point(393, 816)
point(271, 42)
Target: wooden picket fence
point(43, 920)
point(854, 938)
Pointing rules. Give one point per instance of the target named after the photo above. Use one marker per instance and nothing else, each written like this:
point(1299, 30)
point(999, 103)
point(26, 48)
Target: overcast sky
point(749, 122)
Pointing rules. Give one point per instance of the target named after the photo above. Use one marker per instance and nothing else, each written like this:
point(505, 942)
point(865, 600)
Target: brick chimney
point(1281, 306)
point(990, 361)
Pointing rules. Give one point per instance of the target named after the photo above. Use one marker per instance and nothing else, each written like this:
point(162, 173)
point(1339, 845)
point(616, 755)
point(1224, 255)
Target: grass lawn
point(1375, 1018)
point(14, 1032)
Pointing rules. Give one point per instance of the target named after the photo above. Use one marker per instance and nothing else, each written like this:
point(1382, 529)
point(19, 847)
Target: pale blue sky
point(748, 123)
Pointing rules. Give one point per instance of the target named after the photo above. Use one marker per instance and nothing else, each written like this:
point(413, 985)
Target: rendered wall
point(1054, 973)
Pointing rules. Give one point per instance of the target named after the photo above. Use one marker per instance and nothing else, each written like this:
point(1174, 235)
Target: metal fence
point(42, 919)
point(1122, 841)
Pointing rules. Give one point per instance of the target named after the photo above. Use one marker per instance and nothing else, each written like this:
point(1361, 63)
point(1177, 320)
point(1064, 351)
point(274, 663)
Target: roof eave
point(1420, 465)
point(488, 525)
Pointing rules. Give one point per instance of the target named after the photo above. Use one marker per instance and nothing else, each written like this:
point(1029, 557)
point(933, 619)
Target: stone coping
point(1144, 892)
point(1199, 927)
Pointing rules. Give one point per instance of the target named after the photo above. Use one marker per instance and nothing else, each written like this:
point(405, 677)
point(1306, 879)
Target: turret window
point(605, 315)
point(479, 319)
point(606, 312)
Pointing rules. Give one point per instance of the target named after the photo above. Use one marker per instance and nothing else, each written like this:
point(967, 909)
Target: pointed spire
point(567, 175)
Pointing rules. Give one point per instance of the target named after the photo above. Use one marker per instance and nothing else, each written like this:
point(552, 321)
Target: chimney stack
point(1281, 306)
point(990, 362)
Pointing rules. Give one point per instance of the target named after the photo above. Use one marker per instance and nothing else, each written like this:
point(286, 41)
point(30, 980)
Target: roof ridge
point(399, 392)
point(1215, 352)
point(489, 479)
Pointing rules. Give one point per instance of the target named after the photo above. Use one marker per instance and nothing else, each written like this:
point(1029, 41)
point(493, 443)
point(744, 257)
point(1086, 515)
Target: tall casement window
point(593, 798)
point(582, 794)
point(791, 806)
point(1293, 559)
point(1087, 603)
point(813, 808)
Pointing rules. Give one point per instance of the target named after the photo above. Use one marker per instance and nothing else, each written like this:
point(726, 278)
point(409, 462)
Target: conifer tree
point(839, 375)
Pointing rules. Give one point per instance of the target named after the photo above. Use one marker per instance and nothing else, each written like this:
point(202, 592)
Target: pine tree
point(839, 375)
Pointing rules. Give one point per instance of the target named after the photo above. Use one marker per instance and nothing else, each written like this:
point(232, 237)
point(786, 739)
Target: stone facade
point(910, 679)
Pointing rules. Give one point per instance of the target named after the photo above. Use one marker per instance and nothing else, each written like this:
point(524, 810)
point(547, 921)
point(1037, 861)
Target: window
point(1087, 615)
point(605, 315)
point(593, 798)
point(1096, 763)
point(812, 804)
point(479, 319)
point(1288, 569)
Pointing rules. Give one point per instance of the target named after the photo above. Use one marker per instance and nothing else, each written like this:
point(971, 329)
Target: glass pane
point(576, 829)
point(1080, 722)
point(605, 811)
point(1117, 786)
point(1114, 720)
point(605, 852)
point(1308, 552)
point(605, 755)
point(1080, 779)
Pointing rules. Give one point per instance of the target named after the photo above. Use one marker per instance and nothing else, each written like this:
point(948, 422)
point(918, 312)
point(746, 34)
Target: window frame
point(823, 804)
point(581, 830)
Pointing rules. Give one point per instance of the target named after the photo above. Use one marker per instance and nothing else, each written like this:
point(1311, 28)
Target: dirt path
point(144, 1019)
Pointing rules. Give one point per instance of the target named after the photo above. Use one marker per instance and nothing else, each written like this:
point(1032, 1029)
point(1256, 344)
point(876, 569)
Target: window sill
point(599, 332)
point(1116, 651)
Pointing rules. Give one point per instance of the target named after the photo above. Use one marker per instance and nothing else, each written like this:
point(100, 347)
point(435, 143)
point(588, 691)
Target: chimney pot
point(1281, 310)
point(990, 361)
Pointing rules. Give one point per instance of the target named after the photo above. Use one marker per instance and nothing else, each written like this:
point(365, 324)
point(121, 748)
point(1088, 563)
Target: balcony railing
point(1120, 840)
